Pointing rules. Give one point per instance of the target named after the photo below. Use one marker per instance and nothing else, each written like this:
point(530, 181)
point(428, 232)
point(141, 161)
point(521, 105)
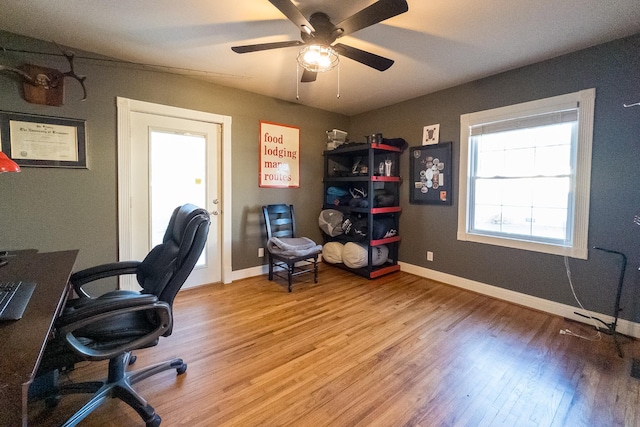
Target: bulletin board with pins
point(430, 171)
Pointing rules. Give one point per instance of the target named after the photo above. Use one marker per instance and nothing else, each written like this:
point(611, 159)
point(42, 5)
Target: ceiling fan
point(318, 34)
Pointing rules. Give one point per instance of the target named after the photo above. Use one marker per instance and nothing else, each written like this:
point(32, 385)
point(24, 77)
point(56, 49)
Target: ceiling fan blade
point(265, 46)
point(294, 15)
point(377, 12)
point(372, 60)
point(308, 76)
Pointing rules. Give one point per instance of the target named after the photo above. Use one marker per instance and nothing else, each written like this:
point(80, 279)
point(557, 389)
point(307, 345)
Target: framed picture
point(42, 141)
point(430, 171)
point(279, 156)
point(431, 134)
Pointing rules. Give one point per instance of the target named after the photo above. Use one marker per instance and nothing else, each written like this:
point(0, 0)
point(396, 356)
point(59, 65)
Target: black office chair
point(296, 255)
point(112, 325)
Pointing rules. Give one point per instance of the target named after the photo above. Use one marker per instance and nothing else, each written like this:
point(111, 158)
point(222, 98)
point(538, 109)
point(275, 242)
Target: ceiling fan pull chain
point(338, 96)
point(297, 81)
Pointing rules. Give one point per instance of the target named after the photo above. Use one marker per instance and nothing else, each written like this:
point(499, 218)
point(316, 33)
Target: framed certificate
point(42, 141)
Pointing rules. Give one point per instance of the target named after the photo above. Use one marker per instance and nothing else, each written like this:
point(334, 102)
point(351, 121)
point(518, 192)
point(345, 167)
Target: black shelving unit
point(359, 166)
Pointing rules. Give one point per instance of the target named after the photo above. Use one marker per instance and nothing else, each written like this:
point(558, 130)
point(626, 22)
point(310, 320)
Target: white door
point(168, 156)
point(177, 161)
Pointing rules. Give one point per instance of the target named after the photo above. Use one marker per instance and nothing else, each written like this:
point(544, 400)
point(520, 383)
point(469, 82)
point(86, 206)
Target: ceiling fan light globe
point(311, 56)
point(324, 61)
point(317, 58)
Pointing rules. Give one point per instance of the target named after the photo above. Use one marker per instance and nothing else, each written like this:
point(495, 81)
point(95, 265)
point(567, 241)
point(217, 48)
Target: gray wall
point(614, 70)
point(56, 209)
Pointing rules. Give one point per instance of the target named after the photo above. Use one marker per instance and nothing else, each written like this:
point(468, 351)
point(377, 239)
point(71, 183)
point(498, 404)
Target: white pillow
point(354, 255)
point(332, 252)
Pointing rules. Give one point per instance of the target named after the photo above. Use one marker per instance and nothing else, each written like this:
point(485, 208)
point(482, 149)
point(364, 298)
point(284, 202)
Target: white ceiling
point(435, 45)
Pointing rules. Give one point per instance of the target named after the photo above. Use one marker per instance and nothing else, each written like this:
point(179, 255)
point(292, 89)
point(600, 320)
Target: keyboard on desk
point(14, 297)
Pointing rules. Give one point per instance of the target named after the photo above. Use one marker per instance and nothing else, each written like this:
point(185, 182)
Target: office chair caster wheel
point(52, 401)
point(181, 369)
point(155, 421)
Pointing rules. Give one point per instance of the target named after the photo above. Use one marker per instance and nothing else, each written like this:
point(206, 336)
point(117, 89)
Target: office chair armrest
point(115, 300)
point(82, 277)
point(102, 309)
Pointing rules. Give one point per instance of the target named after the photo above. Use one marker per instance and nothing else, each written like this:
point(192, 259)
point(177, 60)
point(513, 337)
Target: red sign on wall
point(279, 156)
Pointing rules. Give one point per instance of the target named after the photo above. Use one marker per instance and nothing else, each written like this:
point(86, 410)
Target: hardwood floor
point(396, 351)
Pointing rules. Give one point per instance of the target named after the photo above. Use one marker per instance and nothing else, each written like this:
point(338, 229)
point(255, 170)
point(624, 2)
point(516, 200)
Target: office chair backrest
point(279, 220)
point(165, 269)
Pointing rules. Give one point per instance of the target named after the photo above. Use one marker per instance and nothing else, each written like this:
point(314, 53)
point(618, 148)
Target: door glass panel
point(177, 176)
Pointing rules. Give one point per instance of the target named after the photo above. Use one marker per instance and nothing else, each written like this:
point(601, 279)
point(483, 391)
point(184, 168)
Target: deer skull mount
point(44, 85)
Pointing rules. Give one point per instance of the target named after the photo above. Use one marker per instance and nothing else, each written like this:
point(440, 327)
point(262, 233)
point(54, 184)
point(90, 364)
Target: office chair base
point(119, 385)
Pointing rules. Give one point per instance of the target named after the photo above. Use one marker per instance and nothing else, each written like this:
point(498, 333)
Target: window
point(525, 175)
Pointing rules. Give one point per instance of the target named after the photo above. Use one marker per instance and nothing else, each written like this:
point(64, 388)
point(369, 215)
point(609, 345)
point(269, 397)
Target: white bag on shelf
point(332, 252)
point(355, 255)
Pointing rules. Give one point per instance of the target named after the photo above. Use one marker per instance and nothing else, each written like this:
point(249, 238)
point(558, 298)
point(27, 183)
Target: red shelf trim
point(384, 270)
point(388, 209)
point(385, 178)
point(384, 241)
point(385, 147)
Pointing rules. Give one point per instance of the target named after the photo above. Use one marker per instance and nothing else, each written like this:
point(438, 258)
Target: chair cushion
point(293, 246)
point(118, 328)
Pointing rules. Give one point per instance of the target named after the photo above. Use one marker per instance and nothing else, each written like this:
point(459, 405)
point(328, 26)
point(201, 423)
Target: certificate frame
point(43, 141)
point(430, 172)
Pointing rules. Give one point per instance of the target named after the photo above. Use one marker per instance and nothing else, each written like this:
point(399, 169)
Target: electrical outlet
point(260, 252)
point(429, 256)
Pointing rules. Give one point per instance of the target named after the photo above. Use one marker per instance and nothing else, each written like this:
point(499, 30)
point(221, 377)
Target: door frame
point(127, 106)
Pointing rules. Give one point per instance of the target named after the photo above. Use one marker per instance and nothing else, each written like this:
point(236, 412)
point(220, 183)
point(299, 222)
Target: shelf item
point(362, 182)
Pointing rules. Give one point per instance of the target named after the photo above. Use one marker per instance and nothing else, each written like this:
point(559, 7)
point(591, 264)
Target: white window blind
point(525, 175)
point(554, 117)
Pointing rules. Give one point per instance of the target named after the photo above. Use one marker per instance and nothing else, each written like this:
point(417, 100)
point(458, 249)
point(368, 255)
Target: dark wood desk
point(23, 341)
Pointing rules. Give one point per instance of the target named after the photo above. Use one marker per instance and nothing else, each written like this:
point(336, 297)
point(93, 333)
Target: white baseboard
point(250, 272)
point(624, 326)
point(256, 271)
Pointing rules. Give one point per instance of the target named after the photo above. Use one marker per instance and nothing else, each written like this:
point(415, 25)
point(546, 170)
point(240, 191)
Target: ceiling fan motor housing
point(324, 32)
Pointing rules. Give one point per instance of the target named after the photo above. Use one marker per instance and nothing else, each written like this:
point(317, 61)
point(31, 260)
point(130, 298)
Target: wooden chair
point(296, 255)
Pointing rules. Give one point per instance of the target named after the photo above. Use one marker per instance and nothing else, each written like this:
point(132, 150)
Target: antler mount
point(45, 86)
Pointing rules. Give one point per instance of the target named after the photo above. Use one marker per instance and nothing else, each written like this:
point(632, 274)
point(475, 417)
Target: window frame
point(584, 100)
